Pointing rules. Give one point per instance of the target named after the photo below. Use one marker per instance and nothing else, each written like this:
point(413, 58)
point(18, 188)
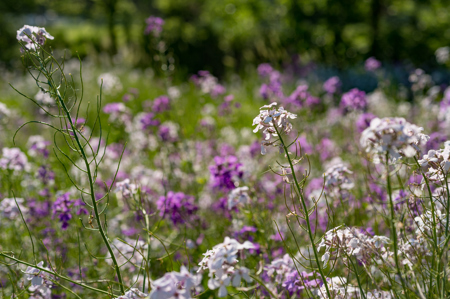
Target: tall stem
point(91, 182)
point(393, 229)
point(305, 209)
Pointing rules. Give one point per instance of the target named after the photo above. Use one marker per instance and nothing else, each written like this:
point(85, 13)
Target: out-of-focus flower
point(442, 54)
point(161, 104)
point(44, 98)
point(62, 208)
point(175, 285)
point(32, 36)
point(208, 84)
point(14, 159)
point(225, 172)
point(353, 100)
point(110, 83)
point(332, 85)
point(134, 293)
point(37, 145)
point(372, 64)
point(177, 206)
point(126, 188)
point(363, 121)
point(238, 196)
point(9, 209)
point(394, 136)
point(154, 25)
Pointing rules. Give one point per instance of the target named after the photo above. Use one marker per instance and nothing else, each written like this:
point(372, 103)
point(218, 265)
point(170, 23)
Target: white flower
point(241, 273)
point(238, 196)
point(32, 35)
point(394, 136)
point(126, 188)
point(442, 54)
point(9, 209)
point(133, 293)
point(175, 285)
point(220, 283)
point(270, 120)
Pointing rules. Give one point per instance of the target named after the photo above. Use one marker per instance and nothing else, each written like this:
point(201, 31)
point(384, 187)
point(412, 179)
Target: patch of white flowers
point(175, 285)
point(270, 120)
point(238, 196)
point(392, 135)
point(348, 242)
point(438, 162)
point(41, 282)
point(221, 261)
point(340, 289)
point(32, 36)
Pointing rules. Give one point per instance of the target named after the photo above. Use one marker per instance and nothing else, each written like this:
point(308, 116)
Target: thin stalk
point(91, 184)
point(393, 229)
point(305, 208)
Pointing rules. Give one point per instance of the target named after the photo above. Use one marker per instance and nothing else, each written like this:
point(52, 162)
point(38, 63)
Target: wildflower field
point(121, 183)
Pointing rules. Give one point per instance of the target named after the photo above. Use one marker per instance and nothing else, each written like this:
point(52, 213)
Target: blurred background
point(234, 36)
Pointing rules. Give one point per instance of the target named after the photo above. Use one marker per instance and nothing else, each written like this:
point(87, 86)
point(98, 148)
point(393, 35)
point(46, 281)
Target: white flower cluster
point(340, 289)
point(438, 162)
point(4, 111)
point(31, 36)
point(221, 262)
point(175, 285)
point(110, 83)
point(14, 159)
point(281, 267)
point(351, 242)
point(428, 222)
point(412, 250)
point(126, 188)
point(9, 209)
point(336, 178)
point(442, 55)
point(133, 293)
point(238, 196)
point(394, 136)
point(40, 281)
point(270, 120)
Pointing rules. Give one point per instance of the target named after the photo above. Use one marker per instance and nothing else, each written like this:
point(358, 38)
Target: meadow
point(122, 183)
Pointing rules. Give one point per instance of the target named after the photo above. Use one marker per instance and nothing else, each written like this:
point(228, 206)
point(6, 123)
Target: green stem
point(393, 229)
point(305, 209)
point(91, 183)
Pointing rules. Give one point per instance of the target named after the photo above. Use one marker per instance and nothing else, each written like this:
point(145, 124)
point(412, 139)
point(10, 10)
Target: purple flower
point(326, 149)
point(264, 70)
point(332, 85)
point(161, 104)
point(224, 172)
point(436, 141)
point(147, 120)
point(176, 205)
point(61, 208)
point(372, 64)
point(154, 25)
point(353, 100)
point(114, 108)
point(363, 121)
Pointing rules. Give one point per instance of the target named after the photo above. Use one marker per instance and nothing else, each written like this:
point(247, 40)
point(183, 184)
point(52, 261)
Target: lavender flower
point(372, 64)
point(161, 104)
point(225, 172)
point(353, 100)
point(363, 121)
point(332, 85)
point(154, 26)
point(177, 206)
point(61, 207)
